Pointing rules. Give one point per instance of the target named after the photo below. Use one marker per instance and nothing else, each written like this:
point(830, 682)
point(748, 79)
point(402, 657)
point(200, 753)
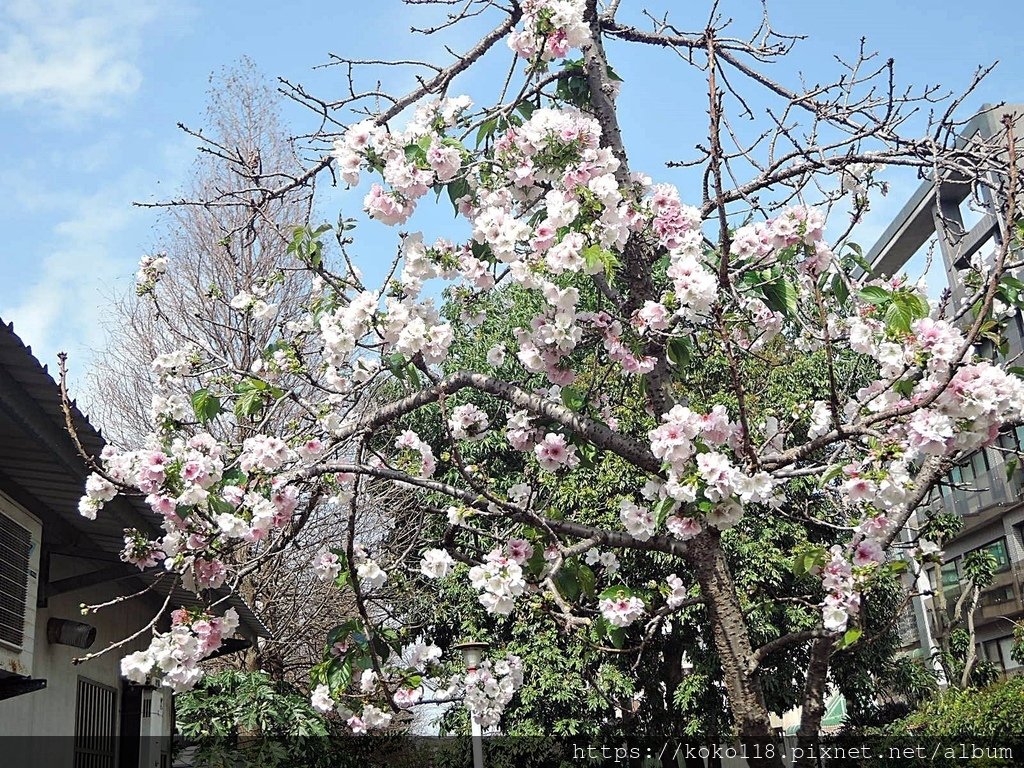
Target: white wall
point(51, 711)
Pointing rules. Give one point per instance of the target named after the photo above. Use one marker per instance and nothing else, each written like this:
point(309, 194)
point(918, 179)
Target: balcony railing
point(1004, 597)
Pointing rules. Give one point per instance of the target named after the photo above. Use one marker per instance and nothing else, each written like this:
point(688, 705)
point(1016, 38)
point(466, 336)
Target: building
point(51, 562)
point(989, 502)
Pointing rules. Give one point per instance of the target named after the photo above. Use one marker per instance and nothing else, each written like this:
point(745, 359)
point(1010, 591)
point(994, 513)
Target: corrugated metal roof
point(41, 468)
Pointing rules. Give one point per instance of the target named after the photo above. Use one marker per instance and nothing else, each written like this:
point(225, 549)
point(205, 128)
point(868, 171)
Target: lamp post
point(472, 655)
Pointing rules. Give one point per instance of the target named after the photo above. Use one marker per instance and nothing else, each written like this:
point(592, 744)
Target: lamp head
point(472, 653)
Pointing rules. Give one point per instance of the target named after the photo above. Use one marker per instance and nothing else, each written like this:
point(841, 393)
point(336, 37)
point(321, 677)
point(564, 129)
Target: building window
point(998, 551)
point(950, 576)
point(1006, 649)
point(95, 725)
point(979, 463)
point(997, 595)
point(956, 475)
point(992, 653)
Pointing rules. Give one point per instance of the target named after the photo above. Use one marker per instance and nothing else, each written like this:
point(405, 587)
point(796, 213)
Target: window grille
point(95, 725)
point(15, 548)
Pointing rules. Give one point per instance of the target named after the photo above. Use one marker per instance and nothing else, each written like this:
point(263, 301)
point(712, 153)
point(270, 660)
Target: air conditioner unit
point(20, 537)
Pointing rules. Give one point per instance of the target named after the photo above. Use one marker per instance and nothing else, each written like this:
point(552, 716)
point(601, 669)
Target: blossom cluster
point(436, 564)
point(490, 687)
point(151, 269)
point(419, 658)
point(622, 609)
point(551, 28)
point(174, 656)
point(185, 485)
point(685, 442)
point(410, 175)
point(500, 580)
point(467, 422)
point(410, 441)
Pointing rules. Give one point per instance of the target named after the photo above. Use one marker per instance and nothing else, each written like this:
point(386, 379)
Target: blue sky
point(91, 91)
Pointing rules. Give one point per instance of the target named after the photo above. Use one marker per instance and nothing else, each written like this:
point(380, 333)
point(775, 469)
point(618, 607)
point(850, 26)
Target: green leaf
point(898, 317)
point(573, 398)
point(568, 585)
point(340, 674)
point(457, 188)
point(526, 109)
point(341, 580)
point(585, 576)
point(235, 476)
point(206, 405)
point(615, 590)
point(839, 290)
point(595, 256)
point(414, 154)
point(830, 474)
point(617, 637)
point(874, 295)
point(662, 510)
point(855, 255)
point(248, 403)
point(1011, 467)
point(848, 639)
point(397, 363)
point(808, 559)
point(679, 351)
point(219, 506)
point(414, 375)
point(487, 129)
point(781, 296)
point(587, 452)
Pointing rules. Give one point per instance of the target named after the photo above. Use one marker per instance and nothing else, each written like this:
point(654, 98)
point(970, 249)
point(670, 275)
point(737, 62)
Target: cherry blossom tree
point(632, 283)
point(217, 250)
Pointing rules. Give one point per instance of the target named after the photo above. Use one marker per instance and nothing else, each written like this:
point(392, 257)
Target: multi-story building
point(987, 491)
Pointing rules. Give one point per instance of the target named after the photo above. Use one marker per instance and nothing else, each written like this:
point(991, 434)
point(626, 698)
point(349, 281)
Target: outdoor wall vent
point(73, 633)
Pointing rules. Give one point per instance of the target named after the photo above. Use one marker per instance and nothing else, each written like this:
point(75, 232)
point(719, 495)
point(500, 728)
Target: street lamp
point(472, 655)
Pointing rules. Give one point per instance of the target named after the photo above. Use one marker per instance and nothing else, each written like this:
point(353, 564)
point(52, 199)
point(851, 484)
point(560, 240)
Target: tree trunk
point(972, 653)
point(732, 642)
point(814, 702)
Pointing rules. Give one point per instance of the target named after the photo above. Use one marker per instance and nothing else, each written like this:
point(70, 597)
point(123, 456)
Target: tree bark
point(808, 737)
point(732, 642)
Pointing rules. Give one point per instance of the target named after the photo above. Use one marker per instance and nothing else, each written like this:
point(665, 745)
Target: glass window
point(950, 575)
point(991, 653)
point(1006, 648)
point(1007, 441)
point(979, 462)
point(998, 550)
point(997, 595)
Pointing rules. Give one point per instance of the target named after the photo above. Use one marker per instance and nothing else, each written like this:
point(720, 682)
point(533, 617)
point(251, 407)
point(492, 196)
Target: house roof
point(42, 469)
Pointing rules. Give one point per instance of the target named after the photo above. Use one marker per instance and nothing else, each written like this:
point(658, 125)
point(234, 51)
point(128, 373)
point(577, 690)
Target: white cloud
point(75, 55)
point(63, 301)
